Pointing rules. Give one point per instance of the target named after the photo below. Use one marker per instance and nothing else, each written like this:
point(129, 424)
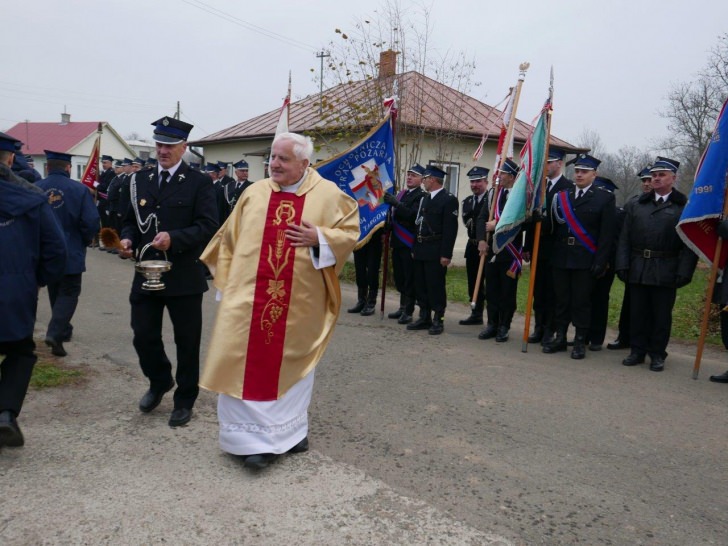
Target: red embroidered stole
point(272, 296)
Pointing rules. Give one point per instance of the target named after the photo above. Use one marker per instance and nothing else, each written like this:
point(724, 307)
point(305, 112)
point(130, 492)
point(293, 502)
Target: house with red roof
point(71, 137)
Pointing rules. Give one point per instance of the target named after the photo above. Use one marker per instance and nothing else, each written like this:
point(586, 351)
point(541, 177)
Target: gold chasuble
point(277, 312)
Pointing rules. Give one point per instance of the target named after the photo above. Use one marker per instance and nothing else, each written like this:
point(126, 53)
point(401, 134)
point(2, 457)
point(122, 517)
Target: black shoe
point(368, 310)
point(67, 337)
point(151, 399)
point(180, 416)
point(300, 447)
point(657, 363)
point(10, 434)
point(595, 346)
point(437, 327)
point(617, 344)
point(259, 461)
point(556, 345)
point(489, 333)
point(421, 323)
point(536, 336)
point(548, 337)
point(579, 351)
point(358, 307)
point(472, 319)
point(633, 359)
point(722, 378)
point(56, 347)
point(404, 319)
point(398, 313)
point(502, 334)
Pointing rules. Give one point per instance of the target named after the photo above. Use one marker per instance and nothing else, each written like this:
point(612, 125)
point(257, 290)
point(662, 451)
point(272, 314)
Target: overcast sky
point(129, 62)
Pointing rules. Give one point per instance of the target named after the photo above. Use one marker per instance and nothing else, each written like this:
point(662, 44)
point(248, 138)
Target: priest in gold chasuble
point(276, 262)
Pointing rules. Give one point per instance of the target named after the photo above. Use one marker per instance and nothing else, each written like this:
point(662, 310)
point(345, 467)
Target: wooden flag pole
point(711, 285)
point(537, 229)
point(509, 135)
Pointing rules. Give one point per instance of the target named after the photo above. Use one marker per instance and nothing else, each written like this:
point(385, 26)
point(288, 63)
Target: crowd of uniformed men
point(585, 241)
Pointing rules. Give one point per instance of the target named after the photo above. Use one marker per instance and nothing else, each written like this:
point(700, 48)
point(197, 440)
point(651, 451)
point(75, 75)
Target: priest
point(276, 262)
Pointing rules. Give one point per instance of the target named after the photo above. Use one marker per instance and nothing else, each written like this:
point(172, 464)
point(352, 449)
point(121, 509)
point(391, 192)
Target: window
point(452, 181)
point(79, 172)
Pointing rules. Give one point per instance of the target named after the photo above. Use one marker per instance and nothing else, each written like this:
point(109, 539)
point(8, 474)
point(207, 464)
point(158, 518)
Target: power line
point(250, 26)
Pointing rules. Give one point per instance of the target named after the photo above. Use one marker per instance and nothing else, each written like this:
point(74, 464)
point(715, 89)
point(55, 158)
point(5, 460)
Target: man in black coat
point(172, 217)
point(544, 299)
point(655, 262)
point(471, 207)
point(437, 229)
point(584, 220)
point(105, 177)
point(502, 269)
point(404, 213)
point(623, 327)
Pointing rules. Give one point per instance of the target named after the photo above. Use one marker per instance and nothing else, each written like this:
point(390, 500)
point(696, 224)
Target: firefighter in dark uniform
point(471, 208)
point(584, 220)
point(76, 214)
point(404, 214)
point(603, 285)
point(235, 188)
point(544, 304)
point(437, 229)
point(114, 191)
point(367, 262)
point(105, 177)
point(720, 296)
point(622, 341)
point(172, 217)
point(655, 262)
point(503, 268)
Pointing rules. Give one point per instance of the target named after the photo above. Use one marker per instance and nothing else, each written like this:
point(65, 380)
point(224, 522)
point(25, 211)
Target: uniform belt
point(423, 238)
point(647, 253)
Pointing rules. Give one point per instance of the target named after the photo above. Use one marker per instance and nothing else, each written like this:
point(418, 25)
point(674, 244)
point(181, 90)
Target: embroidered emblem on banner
point(271, 301)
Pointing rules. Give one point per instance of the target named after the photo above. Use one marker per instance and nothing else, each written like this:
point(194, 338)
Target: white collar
point(171, 170)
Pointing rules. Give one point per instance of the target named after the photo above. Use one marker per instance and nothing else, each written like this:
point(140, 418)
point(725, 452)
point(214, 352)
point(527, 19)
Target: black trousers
point(471, 267)
point(367, 261)
point(624, 316)
point(185, 313)
point(15, 371)
point(573, 298)
point(544, 295)
point(63, 296)
point(103, 208)
point(403, 267)
point(430, 284)
point(600, 308)
point(500, 293)
point(651, 318)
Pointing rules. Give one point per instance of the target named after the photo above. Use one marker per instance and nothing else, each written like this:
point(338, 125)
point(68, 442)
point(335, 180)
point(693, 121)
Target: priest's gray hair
point(302, 145)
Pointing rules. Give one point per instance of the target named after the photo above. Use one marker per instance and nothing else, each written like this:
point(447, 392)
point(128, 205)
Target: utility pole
point(321, 56)
point(176, 115)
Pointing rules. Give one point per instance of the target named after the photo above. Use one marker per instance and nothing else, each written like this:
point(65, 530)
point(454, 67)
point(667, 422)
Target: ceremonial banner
point(699, 221)
point(90, 176)
point(365, 172)
point(525, 195)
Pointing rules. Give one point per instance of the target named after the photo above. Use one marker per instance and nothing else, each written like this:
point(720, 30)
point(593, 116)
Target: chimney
point(65, 118)
point(387, 63)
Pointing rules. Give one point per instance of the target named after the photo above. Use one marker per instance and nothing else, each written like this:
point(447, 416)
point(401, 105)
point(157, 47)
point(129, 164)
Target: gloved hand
point(390, 199)
point(598, 271)
point(536, 215)
point(681, 281)
point(623, 275)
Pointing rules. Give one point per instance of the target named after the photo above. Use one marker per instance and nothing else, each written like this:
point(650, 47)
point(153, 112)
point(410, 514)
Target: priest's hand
point(304, 235)
point(162, 241)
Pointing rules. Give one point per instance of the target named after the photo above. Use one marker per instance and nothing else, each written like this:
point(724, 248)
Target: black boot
point(557, 344)
point(422, 323)
point(360, 304)
point(437, 325)
point(474, 318)
point(396, 314)
point(491, 330)
point(579, 350)
point(369, 308)
point(502, 334)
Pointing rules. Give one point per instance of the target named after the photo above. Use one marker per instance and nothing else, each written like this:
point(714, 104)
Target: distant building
point(71, 137)
point(143, 148)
